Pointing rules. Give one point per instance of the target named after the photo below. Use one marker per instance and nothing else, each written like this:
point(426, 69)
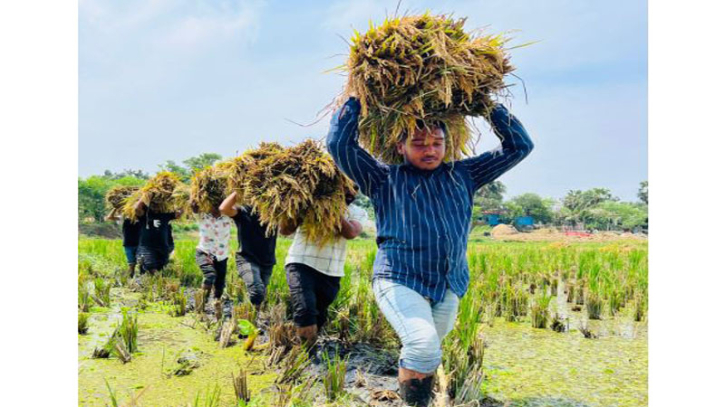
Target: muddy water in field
point(537, 367)
point(523, 366)
point(162, 341)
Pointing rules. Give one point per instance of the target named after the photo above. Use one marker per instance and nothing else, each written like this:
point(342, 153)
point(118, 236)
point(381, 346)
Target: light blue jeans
point(420, 325)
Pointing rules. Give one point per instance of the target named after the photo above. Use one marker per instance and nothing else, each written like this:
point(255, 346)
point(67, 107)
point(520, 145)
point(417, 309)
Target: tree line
point(594, 208)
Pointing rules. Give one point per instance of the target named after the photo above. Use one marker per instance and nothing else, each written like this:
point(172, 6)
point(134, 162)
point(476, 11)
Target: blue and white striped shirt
point(423, 217)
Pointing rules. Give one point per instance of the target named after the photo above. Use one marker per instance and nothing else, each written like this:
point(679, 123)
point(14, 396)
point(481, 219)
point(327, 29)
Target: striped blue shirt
point(423, 217)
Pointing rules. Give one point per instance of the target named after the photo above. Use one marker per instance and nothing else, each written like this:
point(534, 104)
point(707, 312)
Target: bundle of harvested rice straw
point(164, 193)
point(237, 168)
point(301, 183)
point(423, 70)
point(117, 197)
point(208, 188)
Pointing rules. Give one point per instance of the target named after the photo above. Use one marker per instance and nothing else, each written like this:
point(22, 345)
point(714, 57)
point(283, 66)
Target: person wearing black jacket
point(131, 232)
point(255, 257)
point(155, 241)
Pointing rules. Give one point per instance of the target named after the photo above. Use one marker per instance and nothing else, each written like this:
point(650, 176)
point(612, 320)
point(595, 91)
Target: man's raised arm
point(515, 146)
point(344, 148)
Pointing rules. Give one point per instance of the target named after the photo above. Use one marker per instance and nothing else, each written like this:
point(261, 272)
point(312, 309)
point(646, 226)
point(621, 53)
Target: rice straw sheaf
point(181, 200)
point(421, 71)
point(117, 196)
point(208, 188)
point(164, 193)
point(322, 221)
point(282, 188)
point(237, 167)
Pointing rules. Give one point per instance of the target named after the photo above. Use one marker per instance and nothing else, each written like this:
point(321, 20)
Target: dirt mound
point(503, 230)
point(107, 230)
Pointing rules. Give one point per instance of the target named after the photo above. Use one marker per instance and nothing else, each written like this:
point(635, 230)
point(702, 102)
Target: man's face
point(425, 149)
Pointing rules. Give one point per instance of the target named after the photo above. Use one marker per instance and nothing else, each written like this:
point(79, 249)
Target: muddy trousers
point(420, 324)
point(215, 271)
point(150, 259)
point(255, 277)
point(311, 294)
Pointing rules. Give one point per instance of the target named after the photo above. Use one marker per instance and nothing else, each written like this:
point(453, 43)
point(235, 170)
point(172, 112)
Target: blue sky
point(169, 79)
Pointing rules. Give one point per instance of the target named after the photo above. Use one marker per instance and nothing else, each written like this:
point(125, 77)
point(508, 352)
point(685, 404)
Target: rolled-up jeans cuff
point(421, 366)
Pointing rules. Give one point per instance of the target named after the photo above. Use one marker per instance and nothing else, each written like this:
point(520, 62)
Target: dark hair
point(422, 124)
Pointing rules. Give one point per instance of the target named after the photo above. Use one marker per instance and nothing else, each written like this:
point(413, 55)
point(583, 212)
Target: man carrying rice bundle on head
point(154, 207)
point(255, 257)
point(314, 269)
point(423, 205)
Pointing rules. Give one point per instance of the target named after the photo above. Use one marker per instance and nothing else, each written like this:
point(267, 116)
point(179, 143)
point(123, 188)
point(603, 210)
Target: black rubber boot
point(417, 392)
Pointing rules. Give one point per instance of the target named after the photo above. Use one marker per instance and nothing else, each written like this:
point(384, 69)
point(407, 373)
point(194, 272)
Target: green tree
point(190, 165)
point(611, 215)
point(531, 204)
point(125, 173)
point(490, 196)
point(171, 166)
point(92, 193)
point(578, 203)
point(201, 161)
point(643, 193)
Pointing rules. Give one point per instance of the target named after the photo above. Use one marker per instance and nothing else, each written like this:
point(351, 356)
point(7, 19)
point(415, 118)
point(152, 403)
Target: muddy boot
point(417, 392)
point(218, 308)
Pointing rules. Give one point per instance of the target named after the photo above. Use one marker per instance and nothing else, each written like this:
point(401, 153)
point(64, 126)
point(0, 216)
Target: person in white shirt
point(212, 253)
point(314, 271)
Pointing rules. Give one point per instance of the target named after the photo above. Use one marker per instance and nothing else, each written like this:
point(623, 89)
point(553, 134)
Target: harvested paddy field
point(543, 324)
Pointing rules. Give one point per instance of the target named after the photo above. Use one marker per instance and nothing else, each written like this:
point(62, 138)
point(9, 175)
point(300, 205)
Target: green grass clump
point(211, 397)
point(178, 301)
point(594, 304)
point(128, 331)
point(540, 310)
point(102, 292)
point(83, 323)
point(334, 378)
point(463, 352)
point(85, 301)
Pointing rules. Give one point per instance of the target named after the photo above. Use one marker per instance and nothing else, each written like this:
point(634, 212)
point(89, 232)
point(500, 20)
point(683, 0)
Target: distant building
point(492, 218)
point(524, 221)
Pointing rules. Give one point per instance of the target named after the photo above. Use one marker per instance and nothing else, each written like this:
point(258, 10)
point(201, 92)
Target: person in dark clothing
point(155, 239)
point(255, 257)
point(171, 240)
point(131, 232)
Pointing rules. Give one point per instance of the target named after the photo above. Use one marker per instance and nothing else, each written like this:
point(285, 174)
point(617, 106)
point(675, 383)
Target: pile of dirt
point(503, 230)
point(107, 230)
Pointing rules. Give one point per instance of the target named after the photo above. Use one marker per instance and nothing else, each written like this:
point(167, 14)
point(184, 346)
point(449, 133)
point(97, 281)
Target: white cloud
point(173, 23)
point(111, 16)
point(136, 48)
